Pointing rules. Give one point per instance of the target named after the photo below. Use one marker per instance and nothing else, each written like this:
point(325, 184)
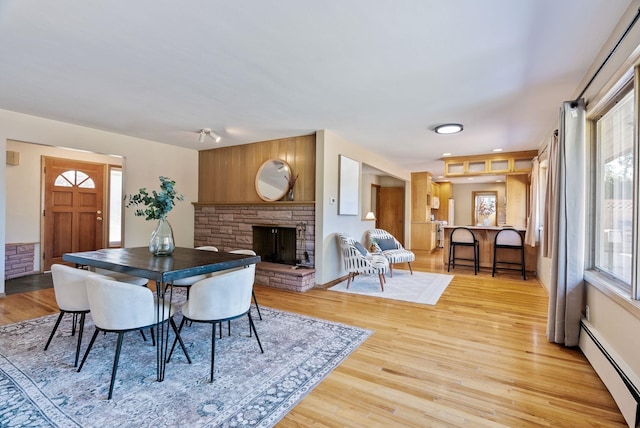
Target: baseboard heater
point(615, 374)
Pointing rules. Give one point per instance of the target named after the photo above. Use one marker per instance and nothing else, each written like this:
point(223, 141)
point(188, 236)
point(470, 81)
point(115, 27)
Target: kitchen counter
point(486, 236)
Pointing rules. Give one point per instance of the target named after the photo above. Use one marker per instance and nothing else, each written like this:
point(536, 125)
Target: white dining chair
point(122, 277)
point(222, 297)
point(71, 297)
point(253, 294)
point(189, 281)
point(120, 307)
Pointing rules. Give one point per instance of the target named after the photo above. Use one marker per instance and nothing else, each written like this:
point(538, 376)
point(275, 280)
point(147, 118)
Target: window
point(74, 178)
point(115, 207)
point(614, 190)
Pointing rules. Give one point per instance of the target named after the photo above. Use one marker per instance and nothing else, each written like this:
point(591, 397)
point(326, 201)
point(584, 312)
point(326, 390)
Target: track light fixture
point(210, 133)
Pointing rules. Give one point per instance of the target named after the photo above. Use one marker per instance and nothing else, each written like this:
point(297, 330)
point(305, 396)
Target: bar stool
point(463, 237)
point(509, 239)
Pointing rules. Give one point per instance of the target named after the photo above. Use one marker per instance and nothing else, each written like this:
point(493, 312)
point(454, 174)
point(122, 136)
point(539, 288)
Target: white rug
point(421, 287)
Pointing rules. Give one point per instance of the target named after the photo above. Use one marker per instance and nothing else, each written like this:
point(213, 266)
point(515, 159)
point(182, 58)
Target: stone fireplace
point(276, 244)
point(286, 234)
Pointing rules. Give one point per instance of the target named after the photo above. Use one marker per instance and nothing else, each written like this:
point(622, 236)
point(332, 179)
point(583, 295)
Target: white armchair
point(357, 260)
point(386, 244)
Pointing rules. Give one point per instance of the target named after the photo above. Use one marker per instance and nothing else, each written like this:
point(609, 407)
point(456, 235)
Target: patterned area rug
point(42, 389)
point(421, 287)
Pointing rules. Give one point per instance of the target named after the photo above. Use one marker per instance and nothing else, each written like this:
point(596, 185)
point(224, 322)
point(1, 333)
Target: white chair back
point(207, 248)
point(223, 296)
point(510, 237)
point(462, 235)
point(70, 289)
point(120, 306)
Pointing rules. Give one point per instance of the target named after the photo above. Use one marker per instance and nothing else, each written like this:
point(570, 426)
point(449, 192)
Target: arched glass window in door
point(73, 178)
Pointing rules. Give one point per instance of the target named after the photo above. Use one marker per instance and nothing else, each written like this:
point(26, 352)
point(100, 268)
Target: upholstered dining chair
point(189, 281)
point(357, 260)
point(71, 296)
point(121, 277)
point(121, 307)
point(253, 294)
point(222, 297)
point(385, 243)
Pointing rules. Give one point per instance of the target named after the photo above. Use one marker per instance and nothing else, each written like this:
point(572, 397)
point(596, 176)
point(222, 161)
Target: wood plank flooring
point(479, 358)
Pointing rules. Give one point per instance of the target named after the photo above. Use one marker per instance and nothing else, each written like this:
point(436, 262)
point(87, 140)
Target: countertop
point(518, 228)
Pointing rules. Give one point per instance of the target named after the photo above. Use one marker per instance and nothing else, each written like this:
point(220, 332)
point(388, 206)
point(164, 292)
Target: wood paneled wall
point(227, 174)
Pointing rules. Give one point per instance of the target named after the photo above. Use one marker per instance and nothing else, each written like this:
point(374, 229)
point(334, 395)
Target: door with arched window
point(73, 208)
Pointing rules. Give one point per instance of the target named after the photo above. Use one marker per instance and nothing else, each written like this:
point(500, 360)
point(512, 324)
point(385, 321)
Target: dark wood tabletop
point(138, 261)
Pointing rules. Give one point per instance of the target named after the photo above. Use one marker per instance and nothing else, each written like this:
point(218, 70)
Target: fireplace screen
point(275, 244)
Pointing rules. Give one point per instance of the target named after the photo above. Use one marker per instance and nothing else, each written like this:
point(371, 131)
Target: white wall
point(328, 148)
point(144, 161)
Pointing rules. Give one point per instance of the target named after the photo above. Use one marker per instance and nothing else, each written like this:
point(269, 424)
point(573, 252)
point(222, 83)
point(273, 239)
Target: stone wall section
point(18, 260)
point(230, 227)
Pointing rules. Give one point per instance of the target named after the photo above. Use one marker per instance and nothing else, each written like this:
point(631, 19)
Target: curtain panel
point(531, 235)
point(567, 216)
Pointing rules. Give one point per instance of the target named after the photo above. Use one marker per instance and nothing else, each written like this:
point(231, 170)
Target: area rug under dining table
point(42, 388)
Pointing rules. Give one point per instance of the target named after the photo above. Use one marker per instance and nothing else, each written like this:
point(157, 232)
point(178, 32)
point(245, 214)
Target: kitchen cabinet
point(420, 196)
point(444, 193)
point(500, 163)
point(423, 236)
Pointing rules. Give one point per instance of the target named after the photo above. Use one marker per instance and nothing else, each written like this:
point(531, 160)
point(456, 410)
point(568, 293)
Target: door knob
point(99, 218)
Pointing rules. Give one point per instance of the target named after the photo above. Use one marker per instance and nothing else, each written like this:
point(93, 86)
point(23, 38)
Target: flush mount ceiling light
point(210, 133)
point(448, 128)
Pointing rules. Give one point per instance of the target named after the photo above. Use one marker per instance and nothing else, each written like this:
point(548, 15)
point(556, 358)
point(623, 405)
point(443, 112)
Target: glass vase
point(161, 242)
point(290, 195)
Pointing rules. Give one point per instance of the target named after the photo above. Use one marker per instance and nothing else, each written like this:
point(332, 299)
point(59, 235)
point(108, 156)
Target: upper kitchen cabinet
point(499, 163)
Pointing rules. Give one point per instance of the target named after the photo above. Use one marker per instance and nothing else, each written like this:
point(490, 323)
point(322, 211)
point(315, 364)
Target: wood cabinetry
point(420, 196)
point(423, 236)
point(500, 163)
point(517, 192)
point(423, 230)
point(444, 193)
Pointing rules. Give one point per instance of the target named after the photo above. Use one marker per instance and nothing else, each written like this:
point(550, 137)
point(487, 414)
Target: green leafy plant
point(158, 204)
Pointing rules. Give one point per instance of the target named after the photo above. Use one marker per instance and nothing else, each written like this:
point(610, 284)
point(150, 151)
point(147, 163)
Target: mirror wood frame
point(266, 179)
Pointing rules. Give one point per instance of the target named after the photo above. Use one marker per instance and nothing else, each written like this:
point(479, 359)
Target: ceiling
point(380, 74)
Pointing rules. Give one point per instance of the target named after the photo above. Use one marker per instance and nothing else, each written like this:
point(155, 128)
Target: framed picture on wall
point(348, 199)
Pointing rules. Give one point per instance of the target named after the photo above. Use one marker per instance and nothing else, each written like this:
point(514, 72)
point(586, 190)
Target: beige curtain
point(531, 235)
point(567, 216)
point(547, 231)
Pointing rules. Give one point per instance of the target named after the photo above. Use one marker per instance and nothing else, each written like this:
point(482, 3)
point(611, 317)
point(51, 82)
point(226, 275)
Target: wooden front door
point(391, 211)
point(73, 208)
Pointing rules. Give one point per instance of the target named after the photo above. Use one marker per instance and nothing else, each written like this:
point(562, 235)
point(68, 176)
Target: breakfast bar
point(486, 236)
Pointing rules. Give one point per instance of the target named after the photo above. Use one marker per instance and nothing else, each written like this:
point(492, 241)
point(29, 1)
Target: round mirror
point(272, 180)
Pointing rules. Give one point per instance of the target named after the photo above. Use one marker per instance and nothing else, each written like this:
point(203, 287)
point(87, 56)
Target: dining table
point(182, 263)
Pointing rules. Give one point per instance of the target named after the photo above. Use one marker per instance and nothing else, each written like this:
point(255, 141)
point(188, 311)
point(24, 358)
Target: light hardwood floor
point(478, 358)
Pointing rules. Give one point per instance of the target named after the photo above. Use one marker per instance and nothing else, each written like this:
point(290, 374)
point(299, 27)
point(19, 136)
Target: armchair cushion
point(361, 248)
point(387, 244)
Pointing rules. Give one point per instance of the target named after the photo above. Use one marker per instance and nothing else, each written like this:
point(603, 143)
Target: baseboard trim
point(612, 372)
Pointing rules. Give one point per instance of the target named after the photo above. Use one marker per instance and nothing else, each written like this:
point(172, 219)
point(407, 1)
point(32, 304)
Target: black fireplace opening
point(275, 244)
